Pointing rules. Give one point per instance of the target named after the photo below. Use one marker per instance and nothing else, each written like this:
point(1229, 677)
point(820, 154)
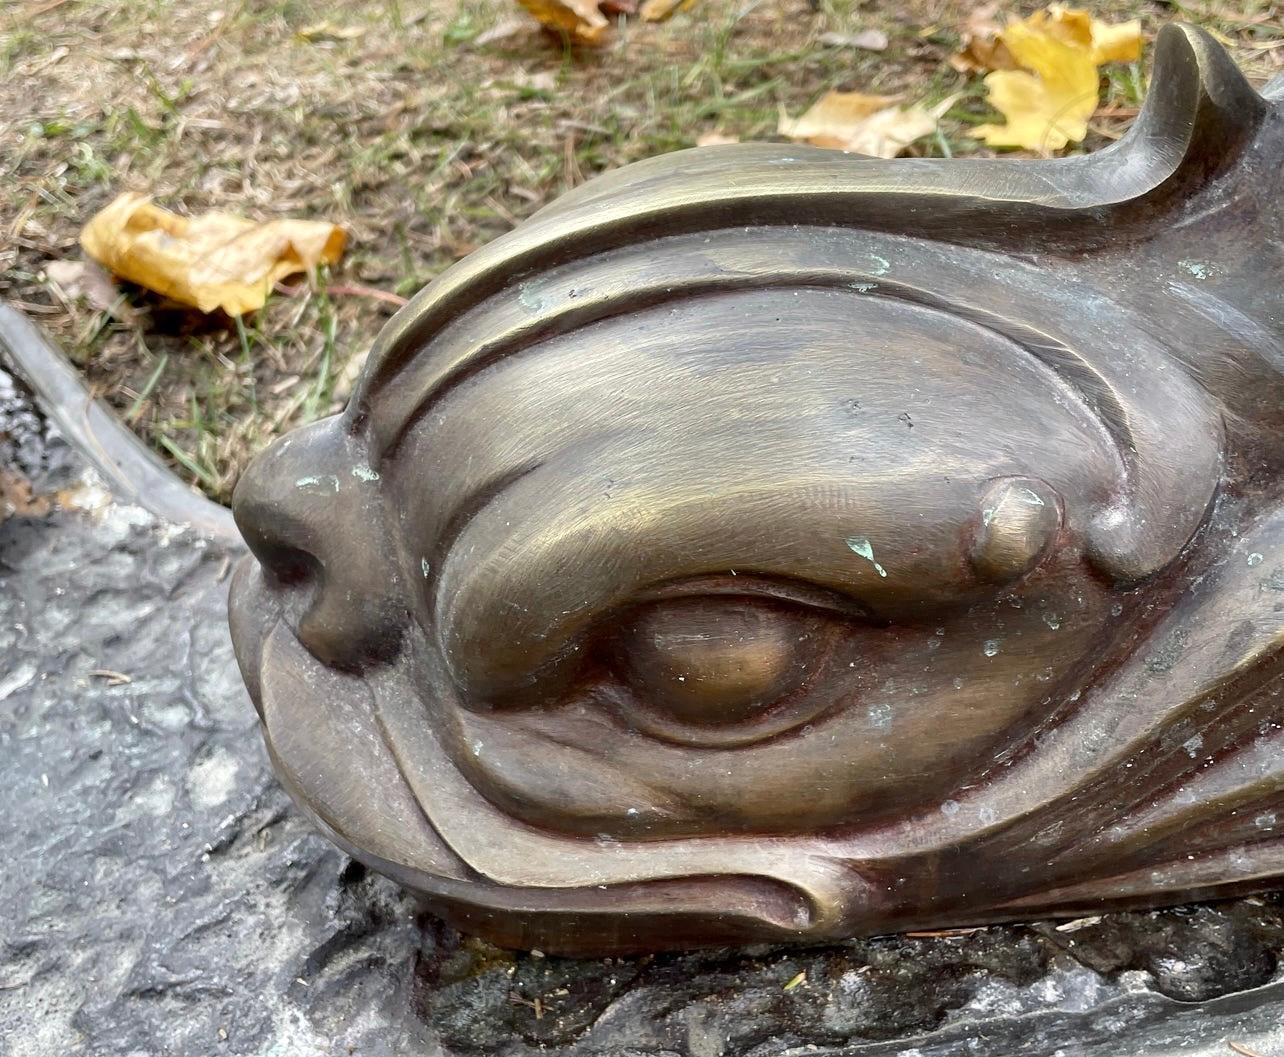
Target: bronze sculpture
point(762, 543)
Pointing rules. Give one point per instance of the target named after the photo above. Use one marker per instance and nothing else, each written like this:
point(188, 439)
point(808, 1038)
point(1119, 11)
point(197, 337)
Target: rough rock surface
point(159, 896)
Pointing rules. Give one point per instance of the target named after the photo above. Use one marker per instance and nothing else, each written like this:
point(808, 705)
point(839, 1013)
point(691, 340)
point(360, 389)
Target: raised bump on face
point(1020, 517)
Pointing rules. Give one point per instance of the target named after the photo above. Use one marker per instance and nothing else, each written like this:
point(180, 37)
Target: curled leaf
point(211, 261)
point(579, 18)
point(864, 124)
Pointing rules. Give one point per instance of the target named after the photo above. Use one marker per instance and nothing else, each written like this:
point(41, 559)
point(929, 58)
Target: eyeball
point(1020, 517)
point(716, 668)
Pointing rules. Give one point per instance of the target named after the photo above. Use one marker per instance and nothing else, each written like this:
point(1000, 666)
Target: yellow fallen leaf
point(579, 18)
point(212, 261)
point(1048, 102)
point(984, 47)
point(1103, 42)
point(864, 124)
point(659, 10)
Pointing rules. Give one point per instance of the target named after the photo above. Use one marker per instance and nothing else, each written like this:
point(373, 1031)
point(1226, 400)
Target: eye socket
point(721, 669)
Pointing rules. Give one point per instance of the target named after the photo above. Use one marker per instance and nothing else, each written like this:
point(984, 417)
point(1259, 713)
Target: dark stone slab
point(160, 896)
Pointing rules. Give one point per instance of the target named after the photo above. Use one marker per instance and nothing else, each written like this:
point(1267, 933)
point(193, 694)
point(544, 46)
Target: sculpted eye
point(721, 669)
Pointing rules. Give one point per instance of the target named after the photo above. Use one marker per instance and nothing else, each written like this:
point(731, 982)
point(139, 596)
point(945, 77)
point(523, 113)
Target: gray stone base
point(160, 896)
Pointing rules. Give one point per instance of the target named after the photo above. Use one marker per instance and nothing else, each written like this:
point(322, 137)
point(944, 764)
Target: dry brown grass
point(391, 121)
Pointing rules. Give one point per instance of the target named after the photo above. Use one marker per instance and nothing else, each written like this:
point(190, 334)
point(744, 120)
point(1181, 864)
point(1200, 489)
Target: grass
point(389, 118)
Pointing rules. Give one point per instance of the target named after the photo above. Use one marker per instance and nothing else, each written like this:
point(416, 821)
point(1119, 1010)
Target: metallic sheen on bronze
point(766, 543)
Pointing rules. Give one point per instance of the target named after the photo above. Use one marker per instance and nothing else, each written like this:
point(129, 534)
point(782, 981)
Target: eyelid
point(755, 585)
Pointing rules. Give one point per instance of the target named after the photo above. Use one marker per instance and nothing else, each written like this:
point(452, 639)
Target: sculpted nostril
point(277, 535)
point(316, 527)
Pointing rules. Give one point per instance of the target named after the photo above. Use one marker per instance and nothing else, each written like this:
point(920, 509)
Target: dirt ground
point(426, 128)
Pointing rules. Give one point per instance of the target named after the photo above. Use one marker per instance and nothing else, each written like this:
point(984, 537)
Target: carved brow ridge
point(1094, 389)
point(1208, 110)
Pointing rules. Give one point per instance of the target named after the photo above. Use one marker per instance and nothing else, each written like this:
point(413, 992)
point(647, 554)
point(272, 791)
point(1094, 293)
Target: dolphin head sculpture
point(763, 543)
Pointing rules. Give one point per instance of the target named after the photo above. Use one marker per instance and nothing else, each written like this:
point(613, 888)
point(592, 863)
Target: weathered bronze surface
point(767, 543)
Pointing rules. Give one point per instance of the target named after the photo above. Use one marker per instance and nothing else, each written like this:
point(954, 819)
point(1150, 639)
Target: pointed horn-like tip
point(1183, 50)
point(1200, 104)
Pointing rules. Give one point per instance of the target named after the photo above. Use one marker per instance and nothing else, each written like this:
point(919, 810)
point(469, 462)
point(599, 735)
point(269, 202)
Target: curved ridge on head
point(1193, 126)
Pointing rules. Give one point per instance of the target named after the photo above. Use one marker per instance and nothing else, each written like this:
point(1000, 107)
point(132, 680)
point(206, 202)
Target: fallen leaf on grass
point(659, 10)
point(829, 121)
point(984, 47)
point(715, 139)
point(578, 18)
point(211, 261)
point(864, 124)
point(1102, 41)
point(866, 39)
point(1047, 103)
point(1048, 100)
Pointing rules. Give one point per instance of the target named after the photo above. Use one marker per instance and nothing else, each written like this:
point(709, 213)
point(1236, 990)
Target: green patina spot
point(860, 545)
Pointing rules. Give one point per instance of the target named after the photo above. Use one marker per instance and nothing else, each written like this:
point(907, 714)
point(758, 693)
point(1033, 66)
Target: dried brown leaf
point(864, 124)
point(328, 30)
point(501, 31)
